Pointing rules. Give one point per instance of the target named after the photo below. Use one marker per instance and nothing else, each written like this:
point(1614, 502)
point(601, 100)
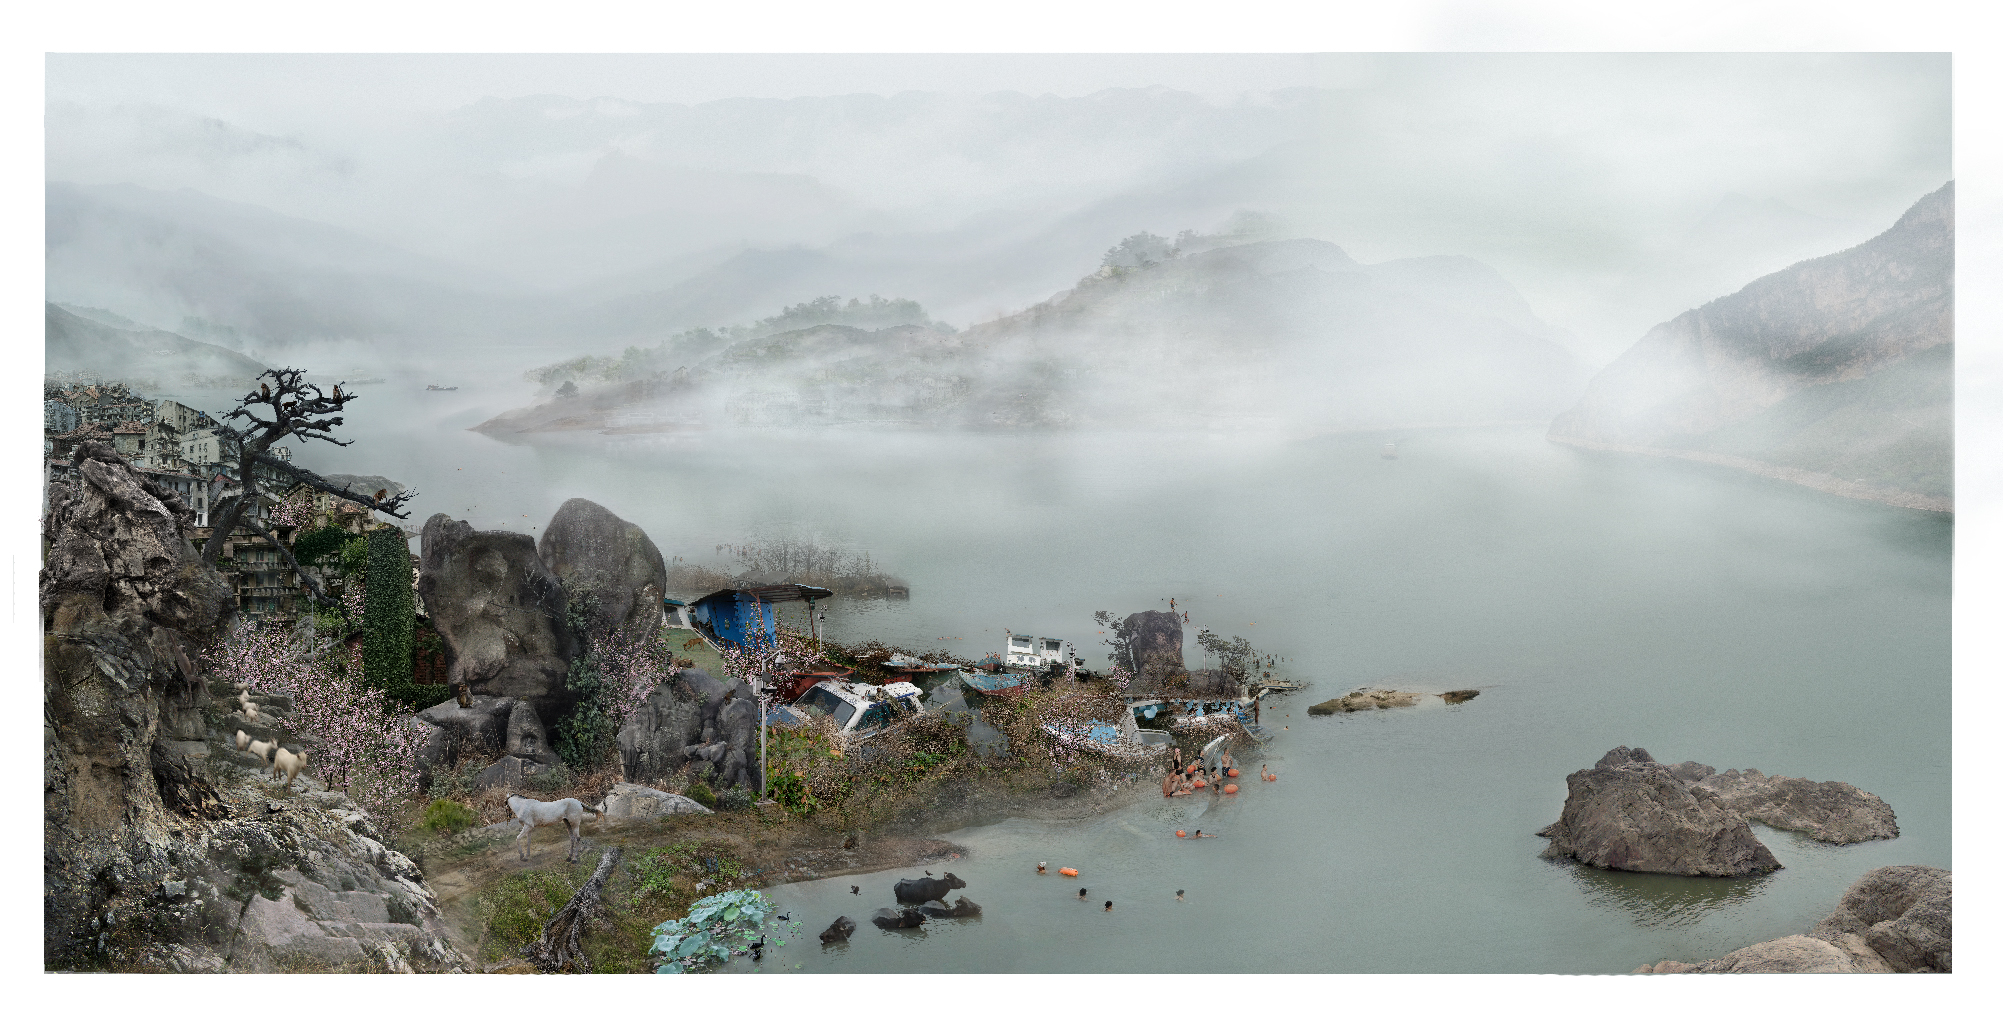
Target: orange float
point(1231, 787)
point(1179, 833)
point(1199, 785)
point(1068, 871)
point(1232, 772)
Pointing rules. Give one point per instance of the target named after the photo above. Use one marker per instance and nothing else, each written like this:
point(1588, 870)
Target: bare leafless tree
point(297, 409)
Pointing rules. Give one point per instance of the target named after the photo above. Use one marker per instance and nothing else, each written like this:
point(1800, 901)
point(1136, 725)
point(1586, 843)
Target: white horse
point(570, 811)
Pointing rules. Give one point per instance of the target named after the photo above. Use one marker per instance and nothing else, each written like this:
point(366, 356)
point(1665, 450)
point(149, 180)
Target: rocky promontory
point(1894, 919)
point(1633, 813)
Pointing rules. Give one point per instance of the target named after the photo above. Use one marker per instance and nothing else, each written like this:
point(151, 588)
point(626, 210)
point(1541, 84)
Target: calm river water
point(1595, 600)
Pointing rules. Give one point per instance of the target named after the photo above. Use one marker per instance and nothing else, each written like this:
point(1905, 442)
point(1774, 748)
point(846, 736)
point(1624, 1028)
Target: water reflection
point(1665, 901)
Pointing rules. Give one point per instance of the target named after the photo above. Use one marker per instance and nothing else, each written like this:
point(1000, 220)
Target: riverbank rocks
point(1366, 700)
point(1903, 913)
point(502, 614)
point(598, 554)
point(1833, 812)
point(839, 930)
point(1893, 919)
point(632, 800)
point(1628, 812)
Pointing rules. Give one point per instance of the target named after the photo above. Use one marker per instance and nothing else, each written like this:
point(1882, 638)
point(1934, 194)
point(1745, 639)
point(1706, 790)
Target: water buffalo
point(918, 891)
point(839, 931)
point(962, 908)
point(897, 918)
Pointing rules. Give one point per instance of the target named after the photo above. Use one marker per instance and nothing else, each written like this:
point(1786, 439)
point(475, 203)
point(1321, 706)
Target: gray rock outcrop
point(526, 737)
point(1628, 812)
point(510, 771)
point(632, 800)
point(153, 860)
point(695, 719)
point(1833, 812)
point(456, 731)
point(597, 553)
point(502, 614)
point(1893, 919)
point(1903, 913)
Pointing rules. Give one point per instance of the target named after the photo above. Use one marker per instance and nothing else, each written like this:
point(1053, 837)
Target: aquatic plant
point(715, 928)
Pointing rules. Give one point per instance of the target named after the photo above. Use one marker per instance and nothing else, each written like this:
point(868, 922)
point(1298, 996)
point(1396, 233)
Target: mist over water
point(1595, 600)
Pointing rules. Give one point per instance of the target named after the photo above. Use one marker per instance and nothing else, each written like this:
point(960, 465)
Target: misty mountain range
point(1286, 333)
point(1837, 372)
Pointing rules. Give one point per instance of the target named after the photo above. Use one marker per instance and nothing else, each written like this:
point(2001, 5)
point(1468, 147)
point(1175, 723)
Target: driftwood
point(557, 949)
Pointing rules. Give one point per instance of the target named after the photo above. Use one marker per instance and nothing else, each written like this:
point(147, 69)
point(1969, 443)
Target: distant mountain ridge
point(1286, 333)
point(74, 343)
point(1837, 373)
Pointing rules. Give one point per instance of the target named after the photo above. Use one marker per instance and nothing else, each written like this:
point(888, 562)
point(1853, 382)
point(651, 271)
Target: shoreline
point(1821, 482)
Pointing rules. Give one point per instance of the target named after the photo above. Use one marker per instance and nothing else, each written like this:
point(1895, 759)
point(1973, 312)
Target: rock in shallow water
point(1629, 813)
point(1893, 919)
point(1833, 812)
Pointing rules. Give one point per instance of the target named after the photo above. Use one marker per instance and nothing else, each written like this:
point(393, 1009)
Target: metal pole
point(761, 744)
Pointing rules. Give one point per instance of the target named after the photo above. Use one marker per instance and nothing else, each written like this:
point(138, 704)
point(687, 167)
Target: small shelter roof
point(779, 593)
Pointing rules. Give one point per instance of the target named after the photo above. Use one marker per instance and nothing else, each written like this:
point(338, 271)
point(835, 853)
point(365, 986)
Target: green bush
point(388, 613)
point(514, 910)
point(448, 816)
point(700, 792)
point(791, 790)
point(736, 798)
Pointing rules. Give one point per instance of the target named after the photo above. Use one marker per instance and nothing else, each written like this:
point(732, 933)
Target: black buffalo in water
point(897, 918)
point(840, 930)
point(962, 908)
point(918, 891)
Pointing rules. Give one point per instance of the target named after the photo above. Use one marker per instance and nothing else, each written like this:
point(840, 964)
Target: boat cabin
point(1035, 651)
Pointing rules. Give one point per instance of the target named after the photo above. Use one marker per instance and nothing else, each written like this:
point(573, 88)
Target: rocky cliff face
point(502, 614)
point(1836, 372)
point(595, 552)
point(152, 859)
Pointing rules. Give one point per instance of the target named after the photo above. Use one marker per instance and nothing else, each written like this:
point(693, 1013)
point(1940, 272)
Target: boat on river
point(1006, 685)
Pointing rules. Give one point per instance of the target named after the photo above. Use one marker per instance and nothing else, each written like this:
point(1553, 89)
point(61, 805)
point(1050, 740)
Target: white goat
point(242, 739)
point(288, 764)
point(262, 748)
point(243, 697)
point(570, 811)
point(250, 712)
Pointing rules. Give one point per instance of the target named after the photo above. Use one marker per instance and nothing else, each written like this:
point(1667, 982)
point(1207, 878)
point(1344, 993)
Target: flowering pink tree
point(295, 511)
point(767, 656)
point(630, 667)
point(361, 742)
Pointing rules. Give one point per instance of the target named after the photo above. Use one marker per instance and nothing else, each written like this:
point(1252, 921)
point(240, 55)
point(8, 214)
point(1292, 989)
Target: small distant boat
point(441, 389)
point(1390, 451)
point(1009, 685)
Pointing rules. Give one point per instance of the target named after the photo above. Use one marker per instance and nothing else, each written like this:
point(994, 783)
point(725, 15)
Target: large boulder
point(1154, 648)
point(526, 737)
point(512, 772)
point(1903, 913)
point(652, 738)
point(456, 731)
point(597, 553)
point(1833, 812)
point(1631, 813)
point(1787, 954)
point(737, 725)
point(503, 616)
point(632, 800)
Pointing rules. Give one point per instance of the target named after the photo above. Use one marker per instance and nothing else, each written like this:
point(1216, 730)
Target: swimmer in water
point(1109, 906)
point(1178, 896)
point(1081, 893)
point(1042, 869)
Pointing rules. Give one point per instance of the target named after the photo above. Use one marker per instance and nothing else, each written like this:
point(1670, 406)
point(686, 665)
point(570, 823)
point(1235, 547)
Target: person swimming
point(1109, 905)
point(1081, 893)
point(1178, 896)
point(1042, 868)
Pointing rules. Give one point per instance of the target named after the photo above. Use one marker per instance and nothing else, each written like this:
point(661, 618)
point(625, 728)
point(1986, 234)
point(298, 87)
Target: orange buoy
point(1232, 772)
point(1179, 833)
point(1068, 871)
point(1231, 787)
point(1200, 784)
point(1191, 768)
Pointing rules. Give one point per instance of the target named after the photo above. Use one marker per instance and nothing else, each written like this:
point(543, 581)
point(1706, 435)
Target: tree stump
point(557, 949)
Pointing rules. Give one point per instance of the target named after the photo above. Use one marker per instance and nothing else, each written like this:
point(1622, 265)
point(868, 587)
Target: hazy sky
point(1613, 190)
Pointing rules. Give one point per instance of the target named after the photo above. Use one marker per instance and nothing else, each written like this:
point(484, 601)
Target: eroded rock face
point(1903, 913)
point(527, 739)
point(651, 739)
point(457, 730)
point(1833, 812)
point(502, 614)
point(155, 859)
point(593, 551)
point(1630, 813)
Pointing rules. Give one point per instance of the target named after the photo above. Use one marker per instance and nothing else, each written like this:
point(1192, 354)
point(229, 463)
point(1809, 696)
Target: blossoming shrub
point(361, 741)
